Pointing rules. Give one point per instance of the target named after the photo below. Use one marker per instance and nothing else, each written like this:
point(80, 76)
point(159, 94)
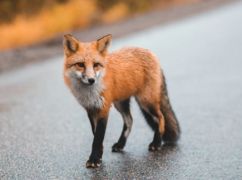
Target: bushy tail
point(172, 128)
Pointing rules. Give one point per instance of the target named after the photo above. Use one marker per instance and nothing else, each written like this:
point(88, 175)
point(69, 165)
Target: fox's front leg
point(99, 122)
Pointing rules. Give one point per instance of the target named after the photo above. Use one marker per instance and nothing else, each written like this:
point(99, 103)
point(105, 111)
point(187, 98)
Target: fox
point(99, 79)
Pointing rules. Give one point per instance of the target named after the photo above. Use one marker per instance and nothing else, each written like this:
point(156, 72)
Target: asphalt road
point(45, 134)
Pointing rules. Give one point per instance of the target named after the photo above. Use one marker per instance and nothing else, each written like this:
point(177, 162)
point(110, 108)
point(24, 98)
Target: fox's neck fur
point(88, 96)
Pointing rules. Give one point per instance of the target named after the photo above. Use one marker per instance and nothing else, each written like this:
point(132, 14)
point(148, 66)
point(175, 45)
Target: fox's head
point(85, 61)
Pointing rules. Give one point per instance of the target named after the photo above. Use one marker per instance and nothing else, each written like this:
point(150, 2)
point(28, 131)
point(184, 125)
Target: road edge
point(16, 58)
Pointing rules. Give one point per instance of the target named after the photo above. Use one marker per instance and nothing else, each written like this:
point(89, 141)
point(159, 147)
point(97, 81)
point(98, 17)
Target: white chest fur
point(88, 96)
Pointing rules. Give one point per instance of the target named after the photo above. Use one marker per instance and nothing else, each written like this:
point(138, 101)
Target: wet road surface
point(45, 134)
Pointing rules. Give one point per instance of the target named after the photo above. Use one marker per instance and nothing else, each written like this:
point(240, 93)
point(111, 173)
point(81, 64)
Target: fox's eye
point(80, 65)
point(96, 64)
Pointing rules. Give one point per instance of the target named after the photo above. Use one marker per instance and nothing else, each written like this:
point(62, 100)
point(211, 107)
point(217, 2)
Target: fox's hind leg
point(124, 108)
point(155, 119)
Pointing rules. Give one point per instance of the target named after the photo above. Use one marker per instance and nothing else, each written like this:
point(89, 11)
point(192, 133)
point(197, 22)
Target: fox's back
point(130, 70)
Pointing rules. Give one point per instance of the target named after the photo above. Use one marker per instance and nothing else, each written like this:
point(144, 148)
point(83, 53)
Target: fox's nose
point(91, 80)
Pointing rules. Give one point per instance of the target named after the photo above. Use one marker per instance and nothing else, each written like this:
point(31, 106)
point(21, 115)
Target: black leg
point(156, 143)
point(95, 158)
point(92, 120)
point(118, 146)
point(124, 108)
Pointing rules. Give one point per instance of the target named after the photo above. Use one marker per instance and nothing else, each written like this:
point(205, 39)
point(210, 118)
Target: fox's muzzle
point(91, 81)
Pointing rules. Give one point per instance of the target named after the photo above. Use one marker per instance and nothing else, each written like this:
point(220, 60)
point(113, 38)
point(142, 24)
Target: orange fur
point(132, 72)
point(128, 72)
point(99, 79)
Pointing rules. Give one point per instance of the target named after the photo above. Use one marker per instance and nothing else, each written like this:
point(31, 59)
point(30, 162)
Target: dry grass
point(65, 17)
point(76, 13)
point(117, 12)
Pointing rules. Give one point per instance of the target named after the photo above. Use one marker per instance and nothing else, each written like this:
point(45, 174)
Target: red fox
point(99, 79)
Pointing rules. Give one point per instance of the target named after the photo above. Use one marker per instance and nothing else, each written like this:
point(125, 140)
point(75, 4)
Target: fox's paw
point(93, 163)
point(154, 146)
point(117, 147)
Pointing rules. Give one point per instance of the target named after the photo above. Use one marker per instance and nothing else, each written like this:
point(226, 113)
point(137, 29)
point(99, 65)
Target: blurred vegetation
point(23, 22)
point(9, 9)
point(133, 5)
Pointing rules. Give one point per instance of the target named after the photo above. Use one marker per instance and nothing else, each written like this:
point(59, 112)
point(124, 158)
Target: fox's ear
point(70, 44)
point(103, 43)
